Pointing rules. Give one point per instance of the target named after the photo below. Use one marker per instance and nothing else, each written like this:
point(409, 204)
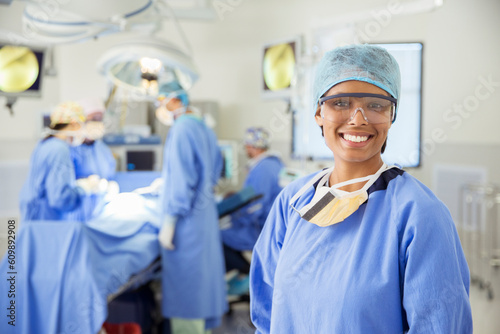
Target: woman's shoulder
point(411, 195)
point(291, 189)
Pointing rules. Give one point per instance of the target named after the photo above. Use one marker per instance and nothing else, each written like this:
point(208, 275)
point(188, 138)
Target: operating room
point(243, 73)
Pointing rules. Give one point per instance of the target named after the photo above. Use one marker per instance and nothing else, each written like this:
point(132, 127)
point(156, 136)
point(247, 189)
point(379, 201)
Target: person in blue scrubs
point(193, 286)
point(263, 177)
point(50, 191)
point(360, 247)
point(93, 157)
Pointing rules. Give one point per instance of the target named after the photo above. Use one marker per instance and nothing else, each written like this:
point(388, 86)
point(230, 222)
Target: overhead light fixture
point(74, 21)
point(142, 65)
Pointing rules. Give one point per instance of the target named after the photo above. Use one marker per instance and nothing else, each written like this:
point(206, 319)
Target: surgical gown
point(394, 266)
point(49, 192)
point(193, 283)
point(95, 158)
point(247, 223)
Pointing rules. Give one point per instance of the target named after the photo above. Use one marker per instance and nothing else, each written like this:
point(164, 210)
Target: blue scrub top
point(95, 158)
point(394, 266)
point(193, 283)
point(247, 223)
point(50, 190)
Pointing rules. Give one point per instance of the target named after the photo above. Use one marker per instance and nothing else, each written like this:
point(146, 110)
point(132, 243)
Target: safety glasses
point(342, 108)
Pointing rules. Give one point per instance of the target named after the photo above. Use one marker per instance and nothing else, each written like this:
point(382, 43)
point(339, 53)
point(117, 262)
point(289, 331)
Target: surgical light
point(141, 65)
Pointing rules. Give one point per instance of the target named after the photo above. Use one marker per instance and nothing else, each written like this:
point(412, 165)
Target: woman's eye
point(340, 103)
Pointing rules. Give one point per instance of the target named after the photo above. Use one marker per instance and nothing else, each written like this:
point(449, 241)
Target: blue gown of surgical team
point(394, 266)
point(95, 158)
point(50, 191)
point(247, 223)
point(193, 283)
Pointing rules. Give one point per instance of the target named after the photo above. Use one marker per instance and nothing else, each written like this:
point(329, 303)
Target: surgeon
point(361, 247)
point(245, 225)
point(93, 157)
point(193, 286)
point(50, 190)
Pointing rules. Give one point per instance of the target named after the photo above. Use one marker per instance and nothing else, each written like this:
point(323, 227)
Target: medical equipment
point(229, 175)
point(480, 233)
point(21, 72)
point(134, 152)
point(279, 68)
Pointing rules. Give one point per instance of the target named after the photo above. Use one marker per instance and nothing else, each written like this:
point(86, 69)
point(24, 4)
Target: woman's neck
point(345, 171)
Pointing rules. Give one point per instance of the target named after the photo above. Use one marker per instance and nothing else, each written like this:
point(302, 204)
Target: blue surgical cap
point(368, 63)
point(257, 137)
point(174, 89)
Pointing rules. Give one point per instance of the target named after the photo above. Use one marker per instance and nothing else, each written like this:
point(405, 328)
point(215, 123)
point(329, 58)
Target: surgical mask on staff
point(165, 115)
point(94, 130)
point(73, 138)
point(330, 205)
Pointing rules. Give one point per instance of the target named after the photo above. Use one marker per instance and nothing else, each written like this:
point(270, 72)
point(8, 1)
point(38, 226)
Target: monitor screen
point(229, 173)
point(21, 70)
point(279, 61)
point(403, 141)
point(140, 160)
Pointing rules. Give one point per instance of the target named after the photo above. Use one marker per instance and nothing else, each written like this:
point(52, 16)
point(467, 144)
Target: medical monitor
point(140, 160)
point(21, 70)
point(404, 139)
point(229, 173)
point(279, 68)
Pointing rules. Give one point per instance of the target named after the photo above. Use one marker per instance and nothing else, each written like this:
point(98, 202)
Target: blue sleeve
point(182, 173)
point(62, 193)
point(106, 159)
point(263, 179)
point(435, 275)
point(263, 266)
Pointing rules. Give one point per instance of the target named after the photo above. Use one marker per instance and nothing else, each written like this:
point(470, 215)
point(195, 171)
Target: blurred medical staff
point(245, 225)
point(93, 157)
point(193, 286)
point(50, 190)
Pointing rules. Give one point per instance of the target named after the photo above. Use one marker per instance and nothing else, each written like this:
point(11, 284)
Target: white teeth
point(355, 139)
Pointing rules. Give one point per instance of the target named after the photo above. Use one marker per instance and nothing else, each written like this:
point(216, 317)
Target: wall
point(461, 53)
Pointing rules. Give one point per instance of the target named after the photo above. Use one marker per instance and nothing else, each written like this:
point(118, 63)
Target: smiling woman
point(346, 250)
point(359, 137)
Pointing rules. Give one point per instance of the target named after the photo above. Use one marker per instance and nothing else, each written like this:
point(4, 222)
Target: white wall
point(460, 47)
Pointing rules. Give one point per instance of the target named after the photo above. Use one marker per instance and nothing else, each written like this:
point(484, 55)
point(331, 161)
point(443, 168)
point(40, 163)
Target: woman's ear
point(317, 116)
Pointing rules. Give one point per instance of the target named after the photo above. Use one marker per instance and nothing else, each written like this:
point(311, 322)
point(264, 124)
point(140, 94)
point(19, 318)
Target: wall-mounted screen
point(229, 173)
point(403, 142)
point(21, 70)
point(279, 62)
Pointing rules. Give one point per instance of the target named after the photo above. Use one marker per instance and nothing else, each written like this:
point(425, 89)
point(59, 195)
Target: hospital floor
point(485, 312)
point(236, 322)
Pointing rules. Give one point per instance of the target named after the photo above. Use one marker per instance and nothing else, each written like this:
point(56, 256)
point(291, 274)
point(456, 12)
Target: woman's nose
point(358, 117)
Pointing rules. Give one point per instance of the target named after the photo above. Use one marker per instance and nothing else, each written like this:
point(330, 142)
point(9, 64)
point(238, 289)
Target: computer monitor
point(140, 160)
point(21, 70)
point(404, 139)
point(279, 68)
point(229, 149)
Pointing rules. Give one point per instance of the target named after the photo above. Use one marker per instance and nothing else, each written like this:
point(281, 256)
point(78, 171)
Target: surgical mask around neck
point(330, 205)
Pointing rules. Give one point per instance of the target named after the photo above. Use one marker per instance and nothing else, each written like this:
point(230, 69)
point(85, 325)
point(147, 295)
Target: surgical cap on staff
point(67, 112)
point(257, 137)
point(368, 63)
point(173, 89)
point(92, 105)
